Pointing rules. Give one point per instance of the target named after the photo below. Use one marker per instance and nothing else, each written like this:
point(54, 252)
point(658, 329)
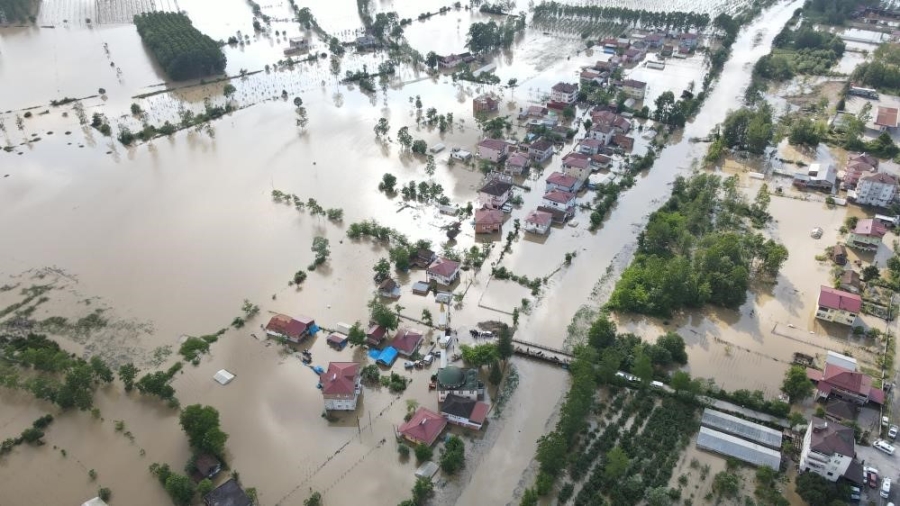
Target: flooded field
point(172, 235)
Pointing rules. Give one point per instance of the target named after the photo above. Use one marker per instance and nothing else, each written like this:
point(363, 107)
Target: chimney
point(820, 426)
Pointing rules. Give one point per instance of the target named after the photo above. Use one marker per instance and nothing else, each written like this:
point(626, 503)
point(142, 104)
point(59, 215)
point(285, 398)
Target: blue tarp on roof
point(385, 357)
point(313, 329)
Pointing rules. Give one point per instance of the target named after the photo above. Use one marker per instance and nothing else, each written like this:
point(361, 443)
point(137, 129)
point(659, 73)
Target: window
point(830, 474)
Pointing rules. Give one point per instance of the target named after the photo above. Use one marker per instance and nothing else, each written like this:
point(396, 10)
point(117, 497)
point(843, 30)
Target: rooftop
point(539, 218)
point(517, 160)
point(560, 179)
point(741, 428)
point(830, 438)
point(229, 493)
point(541, 145)
point(495, 144)
point(340, 378)
point(752, 453)
point(870, 227)
point(832, 298)
point(565, 87)
point(285, 325)
point(474, 411)
point(559, 197)
point(488, 217)
point(631, 83)
point(406, 340)
point(881, 177)
point(887, 117)
point(496, 187)
point(443, 267)
point(425, 426)
point(456, 378)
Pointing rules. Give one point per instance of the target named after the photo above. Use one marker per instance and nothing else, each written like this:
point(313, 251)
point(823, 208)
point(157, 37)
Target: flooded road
point(176, 233)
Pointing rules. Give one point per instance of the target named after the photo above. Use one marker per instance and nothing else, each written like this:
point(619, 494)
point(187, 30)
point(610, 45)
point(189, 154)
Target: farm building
point(730, 446)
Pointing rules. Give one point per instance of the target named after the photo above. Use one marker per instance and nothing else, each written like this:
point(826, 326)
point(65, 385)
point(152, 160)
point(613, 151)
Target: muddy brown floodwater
point(174, 234)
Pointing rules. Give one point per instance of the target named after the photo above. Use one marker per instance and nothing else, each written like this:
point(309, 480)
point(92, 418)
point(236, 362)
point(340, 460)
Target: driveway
point(888, 467)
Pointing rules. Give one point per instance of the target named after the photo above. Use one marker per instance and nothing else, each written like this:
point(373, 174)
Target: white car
point(883, 446)
point(892, 432)
point(886, 488)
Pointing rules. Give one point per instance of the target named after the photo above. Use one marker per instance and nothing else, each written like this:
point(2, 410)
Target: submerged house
point(423, 427)
point(294, 330)
point(464, 412)
point(443, 271)
point(341, 386)
point(452, 380)
point(229, 493)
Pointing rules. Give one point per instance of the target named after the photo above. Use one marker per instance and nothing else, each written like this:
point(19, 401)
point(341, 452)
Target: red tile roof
point(560, 179)
point(833, 298)
point(887, 117)
point(340, 378)
point(443, 267)
point(287, 326)
point(559, 196)
point(406, 341)
point(375, 334)
point(517, 160)
point(495, 144)
point(870, 227)
point(539, 218)
point(577, 160)
point(541, 145)
point(631, 83)
point(488, 217)
point(838, 377)
point(424, 427)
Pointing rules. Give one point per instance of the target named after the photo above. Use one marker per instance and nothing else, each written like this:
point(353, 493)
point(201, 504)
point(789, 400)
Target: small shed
point(427, 470)
point(420, 288)
point(385, 357)
point(839, 254)
point(337, 341)
point(223, 377)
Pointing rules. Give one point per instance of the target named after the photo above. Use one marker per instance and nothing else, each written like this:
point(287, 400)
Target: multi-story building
point(878, 189)
point(838, 306)
point(341, 386)
point(828, 449)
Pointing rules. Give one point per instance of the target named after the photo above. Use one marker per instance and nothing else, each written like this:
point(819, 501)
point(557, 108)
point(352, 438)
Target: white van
point(886, 488)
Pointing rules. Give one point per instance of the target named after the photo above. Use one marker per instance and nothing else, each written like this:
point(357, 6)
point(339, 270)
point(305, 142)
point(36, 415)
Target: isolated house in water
point(341, 386)
point(423, 428)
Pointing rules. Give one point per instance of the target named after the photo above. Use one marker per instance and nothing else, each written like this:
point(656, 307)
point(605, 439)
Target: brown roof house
point(829, 449)
point(492, 149)
point(886, 119)
point(464, 412)
point(565, 93)
point(839, 254)
point(563, 182)
point(538, 222)
point(485, 104)
point(341, 386)
point(516, 164)
point(294, 330)
point(423, 428)
point(229, 493)
point(840, 410)
point(488, 221)
point(838, 306)
point(540, 150)
point(847, 384)
point(561, 201)
point(849, 281)
point(443, 271)
point(375, 335)
point(867, 235)
point(206, 466)
point(389, 289)
point(407, 342)
point(495, 193)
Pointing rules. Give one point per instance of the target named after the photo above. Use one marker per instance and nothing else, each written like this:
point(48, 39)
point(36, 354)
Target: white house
point(589, 146)
point(540, 150)
point(577, 165)
point(299, 43)
point(878, 189)
point(602, 132)
point(495, 193)
point(443, 271)
point(341, 386)
point(460, 154)
point(538, 222)
point(561, 201)
point(492, 149)
point(565, 93)
point(828, 449)
point(562, 182)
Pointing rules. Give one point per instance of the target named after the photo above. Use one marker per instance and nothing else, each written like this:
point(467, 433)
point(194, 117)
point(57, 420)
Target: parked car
point(408, 364)
point(883, 446)
point(886, 488)
point(892, 432)
point(855, 493)
point(427, 359)
point(872, 479)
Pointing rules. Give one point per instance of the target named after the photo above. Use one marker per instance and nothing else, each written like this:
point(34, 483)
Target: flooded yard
point(172, 235)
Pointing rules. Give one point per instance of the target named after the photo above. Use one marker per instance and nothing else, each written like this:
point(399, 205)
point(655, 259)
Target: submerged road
point(499, 476)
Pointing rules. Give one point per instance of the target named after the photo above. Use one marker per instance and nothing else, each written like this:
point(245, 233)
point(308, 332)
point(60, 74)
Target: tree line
point(16, 10)
point(487, 37)
point(697, 250)
point(673, 20)
point(182, 50)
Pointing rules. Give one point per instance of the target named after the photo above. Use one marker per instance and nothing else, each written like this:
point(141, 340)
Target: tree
point(552, 453)
point(453, 457)
point(181, 50)
point(382, 268)
point(356, 336)
point(204, 487)
point(681, 381)
point(568, 113)
point(104, 493)
point(388, 181)
point(404, 138)
point(423, 452)
point(381, 315)
point(422, 490)
point(796, 385)
point(201, 424)
point(180, 489)
point(419, 147)
point(370, 374)
point(674, 344)
point(658, 496)
point(815, 489)
point(321, 249)
point(382, 127)
point(431, 59)
point(505, 348)
point(643, 368)
point(480, 354)
point(726, 484)
point(127, 373)
point(602, 333)
point(229, 89)
point(430, 166)
point(616, 464)
point(426, 318)
point(609, 365)
point(100, 370)
point(315, 499)
point(870, 272)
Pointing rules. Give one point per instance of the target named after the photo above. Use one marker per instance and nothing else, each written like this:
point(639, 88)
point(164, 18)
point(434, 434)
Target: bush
point(423, 452)
point(454, 456)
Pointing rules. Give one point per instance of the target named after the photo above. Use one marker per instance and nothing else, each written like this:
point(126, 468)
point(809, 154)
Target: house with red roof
point(538, 222)
point(540, 150)
point(602, 132)
point(375, 335)
point(443, 270)
point(886, 119)
point(341, 386)
point(866, 235)
point(589, 146)
point(516, 164)
point(407, 342)
point(484, 104)
point(423, 427)
point(488, 221)
point(464, 412)
point(560, 200)
point(284, 327)
point(564, 93)
point(847, 384)
point(624, 142)
point(560, 181)
point(838, 306)
point(879, 189)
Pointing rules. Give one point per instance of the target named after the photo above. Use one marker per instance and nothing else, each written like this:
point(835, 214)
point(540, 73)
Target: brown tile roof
point(565, 87)
point(559, 196)
point(830, 438)
point(833, 298)
point(887, 116)
point(495, 144)
point(540, 218)
point(631, 83)
point(541, 145)
point(340, 378)
point(406, 340)
point(488, 217)
point(443, 267)
point(496, 187)
point(881, 177)
point(286, 326)
point(375, 334)
point(560, 179)
point(424, 427)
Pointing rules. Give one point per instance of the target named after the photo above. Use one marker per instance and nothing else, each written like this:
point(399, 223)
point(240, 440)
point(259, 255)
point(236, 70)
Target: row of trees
point(16, 10)
point(182, 50)
point(671, 20)
point(696, 250)
point(748, 129)
point(487, 37)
